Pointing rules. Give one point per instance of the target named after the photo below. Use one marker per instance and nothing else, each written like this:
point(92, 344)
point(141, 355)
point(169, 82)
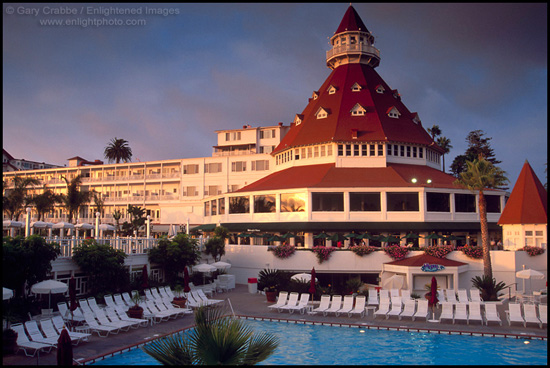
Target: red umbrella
point(73, 303)
point(64, 349)
point(433, 292)
point(312, 282)
point(144, 278)
point(186, 287)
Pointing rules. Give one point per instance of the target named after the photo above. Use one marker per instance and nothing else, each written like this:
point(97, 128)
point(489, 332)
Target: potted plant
point(9, 341)
point(269, 281)
point(135, 311)
point(179, 300)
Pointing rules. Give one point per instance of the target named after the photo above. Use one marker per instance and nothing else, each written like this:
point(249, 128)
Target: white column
point(187, 227)
point(148, 226)
point(97, 225)
point(28, 222)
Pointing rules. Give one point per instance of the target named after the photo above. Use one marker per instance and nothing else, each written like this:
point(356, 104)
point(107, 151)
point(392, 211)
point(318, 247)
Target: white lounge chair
point(463, 296)
point(203, 296)
point(58, 323)
point(543, 316)
point(396, 307)
point(373, 297)
point(384, 296)
point(383, 309)
point(36, 335)
point(23, 342)
point(93, 304)
point(109, 301)
point(347, 306)
point(113, 317)
point(124, 316)
point(447, 311)
point(474, 312)
point(335, 305)
point(119, 300)
point(405, 295)
point(359, 308)
point(97, 328)
point(475, 296)
point(530, 314)
point(514, 314)
point(148, 294)
point(461, 312)
point(491, 314)
point(153, 315)
point(46, 325)
point(281, 300)
point(127, 297)
point(156, 293)
point(422, 310)
point(409, 309)
point(441, 296)
point(66, 313)
point(394, 293)
point(153, 307)
point(302, 304)
point(451, 296)
point(323, 305)
point(169, 292)
point(104, 321)
point(84, 307)
point(292, 302)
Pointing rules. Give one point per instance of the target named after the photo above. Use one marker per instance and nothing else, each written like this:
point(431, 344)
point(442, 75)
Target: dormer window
point(322, 113)
point(396, 94)
point(358, 110)
point(298, 119)
point(416, 118)
point(393, 113)
point(315, 95)
point(380, 89)
point(331, 90)
point(356, 87)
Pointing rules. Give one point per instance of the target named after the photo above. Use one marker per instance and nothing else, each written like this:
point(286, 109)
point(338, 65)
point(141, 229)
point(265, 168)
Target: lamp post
point(28, 222)
point(97, 225)
point(148, 226)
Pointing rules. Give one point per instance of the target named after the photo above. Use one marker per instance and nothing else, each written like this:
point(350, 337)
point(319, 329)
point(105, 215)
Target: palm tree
point(434, 131)
point(45, 202)
point(14, 199)
point(99, 202)
point(117, 215)
point(445, 144)
point(480, 174)
point(118, 150)
point(216, 339)
point(74, 198)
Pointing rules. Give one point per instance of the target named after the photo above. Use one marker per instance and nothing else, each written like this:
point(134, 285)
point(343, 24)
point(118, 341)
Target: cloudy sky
point(166, 82)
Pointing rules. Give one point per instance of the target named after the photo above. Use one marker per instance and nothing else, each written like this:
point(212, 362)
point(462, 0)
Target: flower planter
point(9, 342)
point(180, 302)
point(271, 296)
point(134, 312)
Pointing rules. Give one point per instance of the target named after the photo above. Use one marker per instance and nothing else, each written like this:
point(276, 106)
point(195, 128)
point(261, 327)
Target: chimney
point(280, 124)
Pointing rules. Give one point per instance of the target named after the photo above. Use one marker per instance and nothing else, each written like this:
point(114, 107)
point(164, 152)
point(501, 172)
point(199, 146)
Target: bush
point(472, 252)
point(396, 252)
point(323, 253)
point(270, 279)
point(488, 287)
point(532, 251)
point(362, 250)
point(174, 255)
point(282, 251)
point(439, 251)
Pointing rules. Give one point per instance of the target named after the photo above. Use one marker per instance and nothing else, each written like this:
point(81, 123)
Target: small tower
point(352, 43)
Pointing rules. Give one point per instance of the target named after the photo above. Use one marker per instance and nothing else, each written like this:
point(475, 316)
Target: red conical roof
point(527, 203)
point(351, 22)
point(341, 126)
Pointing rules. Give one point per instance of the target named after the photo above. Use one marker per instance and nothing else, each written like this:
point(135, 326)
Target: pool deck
point(255, 305)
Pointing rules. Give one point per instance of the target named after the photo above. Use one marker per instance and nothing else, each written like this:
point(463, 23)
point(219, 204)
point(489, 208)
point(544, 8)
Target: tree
point(137, 219)
point(45, 202)
point(99, 202)
point(445, 144)
point(15, 199)
point(75, 198)
point(118, 150)
point(104, 266)
point(217, 339)
point(481, 174)
point(174, 255)
point(117, 215)
point(26, 260)
point(477, 144)
point(215, 246)
point(434, 131)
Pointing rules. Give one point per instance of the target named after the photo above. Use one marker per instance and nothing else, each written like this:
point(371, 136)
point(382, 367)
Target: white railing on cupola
point(358, 47)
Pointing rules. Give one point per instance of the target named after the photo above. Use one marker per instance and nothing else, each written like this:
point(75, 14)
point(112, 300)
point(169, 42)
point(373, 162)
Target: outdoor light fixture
point(413, 180)
point(429, 181)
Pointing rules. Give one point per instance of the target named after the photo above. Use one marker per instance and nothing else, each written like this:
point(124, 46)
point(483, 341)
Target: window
point(303, 150)
point(316, 151)
point(395, 150)
point(493, 203)
point(358, 110)
point(323, 151)
point(380, 89)
point(363, 150)
point(239, 205)
point(402, 151)
point(213, 207)
point(421, 152)
point(348, 150)
point(221, 206)
point(327, 202)
point(364, 201)
point(264, 203)
point(190, 169)
point(465, 203)
point(265, 134)
point(310, 152)
point(260, 165)
point(414, 151)
point(380, 150)
point(389, 150)
point(393, 113)
point(321, 113)
point(207, 208)
point(356, 150)
point(438, 202)
point(232, 136)
point(408, 151)
point(212, 168)
point(331, 90)
point(402, 201)
point(329, 150)
point(212, 190)
point(238, 166)
point(356, 87)
point(340, 150)
point(293, 202)
point(371, 150)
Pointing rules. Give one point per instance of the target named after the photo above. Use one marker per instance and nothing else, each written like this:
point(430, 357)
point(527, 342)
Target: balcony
point(354, 48)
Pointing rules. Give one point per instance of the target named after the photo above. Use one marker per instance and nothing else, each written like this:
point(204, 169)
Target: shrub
point(269, 279)
point(396, 252)
point(282, 251)
point(488, 287)
point(362, 250)
point(439, 251)
point(323, 253)
point(472, 252)
point(532, 251)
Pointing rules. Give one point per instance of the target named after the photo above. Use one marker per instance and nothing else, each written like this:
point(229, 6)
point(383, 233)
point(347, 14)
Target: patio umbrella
point(144, 277)
point(245, 235)
point(221, 265)
point(62, 225)
point(84, 226)
point(389, 239)
point(49, 287)
point(304, 277)
point(64, 348)
point(367, 236)
point(529, 274)
point(106, 227)
point(321, 236)
point(11, 223)
point(41, 224)
point(433, 296)
point(186, 287)
point(411, 236)
point(337, 237)
point(204, 268)
point(275, 238)
point(433, 236)
point(352, 236)
point(312, 283)
point(394, 282)
point(172, 231)
point(7, 293)
point(288, 236)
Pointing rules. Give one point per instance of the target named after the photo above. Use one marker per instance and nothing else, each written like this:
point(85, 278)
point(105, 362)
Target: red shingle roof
point(527, 202)
point(418, 261)
point(351, 22)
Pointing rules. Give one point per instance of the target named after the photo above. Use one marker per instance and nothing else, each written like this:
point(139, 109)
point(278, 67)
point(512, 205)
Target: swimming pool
point(307, 344)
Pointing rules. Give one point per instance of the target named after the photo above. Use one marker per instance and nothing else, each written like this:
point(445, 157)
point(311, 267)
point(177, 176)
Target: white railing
point(365, 49)
point(129, 245)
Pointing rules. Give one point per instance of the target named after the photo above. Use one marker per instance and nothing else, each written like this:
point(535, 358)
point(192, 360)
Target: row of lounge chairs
point(31, 338)
point(447, 295)
point(410, 308)
point(292, 303)
point(513, 314)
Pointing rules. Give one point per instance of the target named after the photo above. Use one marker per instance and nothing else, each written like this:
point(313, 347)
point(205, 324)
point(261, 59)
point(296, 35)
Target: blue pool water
point(316, 345)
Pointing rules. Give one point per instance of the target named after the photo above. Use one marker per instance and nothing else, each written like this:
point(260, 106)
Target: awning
point(205, 227)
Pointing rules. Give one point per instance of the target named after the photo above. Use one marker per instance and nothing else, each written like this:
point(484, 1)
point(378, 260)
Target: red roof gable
point(527, 203)
point(351, 22)
point(374, 126)
point(418, 261)
point(329, 176)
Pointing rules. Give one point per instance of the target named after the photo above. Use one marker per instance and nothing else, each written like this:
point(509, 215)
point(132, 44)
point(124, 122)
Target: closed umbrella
point(312, 283)
point(394, 282)
point(7, 293)
point(186, 287)
point(144, 278)
point(49, 287)
point(64, 348)
point(73, 303)
point(433, 296)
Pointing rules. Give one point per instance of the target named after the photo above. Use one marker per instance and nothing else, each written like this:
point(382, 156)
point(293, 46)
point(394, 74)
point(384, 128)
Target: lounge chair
point(156, 293)
point(347, 306)
point(114, 318)
point(475, 296)
point(474, 312)
point(201, 294)
point(441, 296)
point(422, 310)
point(109, 301)
point(461, 312)
point(84, 307)
point(396, 307)
point(119, 301)
point(491, 314)
point(409, 309)
point(36, 335)
point(383, 309)
point(103, 320)
point(323, 305)
point(97, 328)
point(46, 325)
point(124, 316)
point(384, 296)
point(405, 295)
point(514, 314)
point(335, 305)
point(160, 312)
point(394, 293)
point(373, 297)
point(153, 315)
point(148, 294)
point(447, 311)
point(543, 316)
point(192, 302)
point(359, 308)
point(164, 294)
point(58, 323)
point(127, 297)
point(530, 313)
point(281, 300)
point(463, 296)
point(451, 296)
point(23, 342)
point(66, 313)
point(169, 292)
point(93, 304)
point(302, 304)
point(170, 308)
point(292, 302)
